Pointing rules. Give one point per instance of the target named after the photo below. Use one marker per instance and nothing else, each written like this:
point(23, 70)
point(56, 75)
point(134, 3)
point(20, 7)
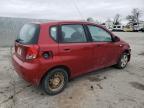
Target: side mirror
point(116, 39)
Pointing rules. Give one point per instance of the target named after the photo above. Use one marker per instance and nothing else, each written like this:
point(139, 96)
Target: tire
point(122, 63)
point(55, 81)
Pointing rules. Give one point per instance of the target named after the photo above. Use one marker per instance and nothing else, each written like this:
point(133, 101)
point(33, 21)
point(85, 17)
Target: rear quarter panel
point(46, 44)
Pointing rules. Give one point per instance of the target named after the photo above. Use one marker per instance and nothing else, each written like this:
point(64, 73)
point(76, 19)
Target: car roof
point(64, 21)
point(71, 22)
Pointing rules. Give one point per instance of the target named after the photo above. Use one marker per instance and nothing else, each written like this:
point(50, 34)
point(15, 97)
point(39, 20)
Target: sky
point(69, 9)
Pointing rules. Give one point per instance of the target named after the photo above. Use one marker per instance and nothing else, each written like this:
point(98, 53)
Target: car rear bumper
point(27, 70)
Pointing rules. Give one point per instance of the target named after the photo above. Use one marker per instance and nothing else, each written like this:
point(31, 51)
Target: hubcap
point(56, 81)
point(124, 61)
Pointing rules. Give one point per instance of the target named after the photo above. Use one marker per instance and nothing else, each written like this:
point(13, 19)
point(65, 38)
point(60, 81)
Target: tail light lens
point(32, 52)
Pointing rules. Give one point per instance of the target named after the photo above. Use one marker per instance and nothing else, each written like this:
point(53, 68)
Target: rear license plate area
point(19, 51)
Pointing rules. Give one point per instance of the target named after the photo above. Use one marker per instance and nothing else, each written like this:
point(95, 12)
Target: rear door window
point(73, 33)
point(29, 34)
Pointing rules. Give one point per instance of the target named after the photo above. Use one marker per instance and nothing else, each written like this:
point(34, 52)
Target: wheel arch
point(128, 51)
point(58, 66)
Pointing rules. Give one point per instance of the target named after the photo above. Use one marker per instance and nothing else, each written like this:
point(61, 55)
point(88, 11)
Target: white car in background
point(118, 28)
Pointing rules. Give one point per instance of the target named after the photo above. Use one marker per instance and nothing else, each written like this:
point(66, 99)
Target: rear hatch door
point(28, 37)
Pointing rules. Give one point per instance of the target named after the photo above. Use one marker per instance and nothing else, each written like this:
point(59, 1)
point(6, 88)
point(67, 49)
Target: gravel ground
point(105, 88)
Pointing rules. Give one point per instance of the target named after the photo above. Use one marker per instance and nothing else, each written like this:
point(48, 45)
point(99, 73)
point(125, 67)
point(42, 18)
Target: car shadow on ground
point(94, 76)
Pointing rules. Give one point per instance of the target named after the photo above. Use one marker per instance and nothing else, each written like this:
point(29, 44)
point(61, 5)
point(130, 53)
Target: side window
point(99, 34)
point(73, 33)
point(53, 32)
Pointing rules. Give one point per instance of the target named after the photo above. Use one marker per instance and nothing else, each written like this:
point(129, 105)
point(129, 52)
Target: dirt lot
point(106, 88)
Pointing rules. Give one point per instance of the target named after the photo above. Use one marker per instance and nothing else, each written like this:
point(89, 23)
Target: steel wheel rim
point(124, 61)
point(56, 82)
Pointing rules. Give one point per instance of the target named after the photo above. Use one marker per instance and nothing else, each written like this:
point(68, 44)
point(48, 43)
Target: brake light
point(32, 52)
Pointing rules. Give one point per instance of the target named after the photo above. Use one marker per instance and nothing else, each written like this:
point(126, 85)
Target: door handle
point(67, 50)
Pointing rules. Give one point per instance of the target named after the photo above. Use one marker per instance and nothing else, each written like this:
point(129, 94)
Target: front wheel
point(55, 81)
point(122, 63)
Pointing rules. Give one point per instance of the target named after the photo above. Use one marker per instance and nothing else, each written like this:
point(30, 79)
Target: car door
point(105, 50)
point(74, 49)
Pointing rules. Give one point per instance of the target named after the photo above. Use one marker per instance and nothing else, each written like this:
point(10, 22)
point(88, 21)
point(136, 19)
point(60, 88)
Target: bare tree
point(131, 18)
point(137, 14)
point(117, 19)
point(134, 18)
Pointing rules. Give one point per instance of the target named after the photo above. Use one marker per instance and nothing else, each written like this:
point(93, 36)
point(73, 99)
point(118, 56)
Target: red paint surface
point(80, 58)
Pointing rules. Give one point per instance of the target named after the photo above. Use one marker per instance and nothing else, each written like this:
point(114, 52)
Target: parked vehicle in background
point(50, 54)
point(142, 29)
point(136, 28)
point(118, 28)
point(141, 26)
point(107, 26)
point(127, 28)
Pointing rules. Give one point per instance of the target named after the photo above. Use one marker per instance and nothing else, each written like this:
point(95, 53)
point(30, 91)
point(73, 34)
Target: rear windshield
point(29, 34)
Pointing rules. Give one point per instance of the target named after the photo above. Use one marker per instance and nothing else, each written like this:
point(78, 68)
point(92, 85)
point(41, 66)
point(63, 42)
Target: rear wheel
point(55, 81)
point(122, 63)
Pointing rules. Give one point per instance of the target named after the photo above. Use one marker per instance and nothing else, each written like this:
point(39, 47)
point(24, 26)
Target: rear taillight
point(32, 52)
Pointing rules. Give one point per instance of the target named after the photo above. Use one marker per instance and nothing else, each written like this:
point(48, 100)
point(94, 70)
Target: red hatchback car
point(49, 54)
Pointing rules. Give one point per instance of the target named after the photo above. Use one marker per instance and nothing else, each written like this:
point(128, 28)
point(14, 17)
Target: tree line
point(133, 18)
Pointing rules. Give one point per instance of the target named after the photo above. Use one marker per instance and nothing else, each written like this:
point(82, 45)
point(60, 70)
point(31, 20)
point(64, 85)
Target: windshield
point(29, 34)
